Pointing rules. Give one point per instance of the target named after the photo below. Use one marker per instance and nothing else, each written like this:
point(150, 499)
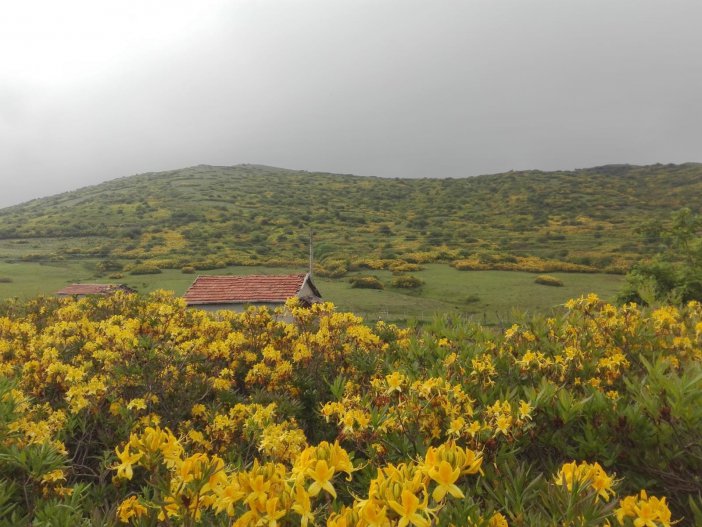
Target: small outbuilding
point(234, 293)
point(83, 290)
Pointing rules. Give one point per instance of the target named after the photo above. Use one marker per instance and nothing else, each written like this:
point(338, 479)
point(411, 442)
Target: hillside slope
point(249, 214)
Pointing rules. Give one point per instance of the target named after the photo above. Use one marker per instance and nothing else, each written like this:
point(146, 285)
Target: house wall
point(306, 290)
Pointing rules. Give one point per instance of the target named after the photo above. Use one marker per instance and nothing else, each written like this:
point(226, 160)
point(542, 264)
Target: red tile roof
point(244, 289)
point(92, 289)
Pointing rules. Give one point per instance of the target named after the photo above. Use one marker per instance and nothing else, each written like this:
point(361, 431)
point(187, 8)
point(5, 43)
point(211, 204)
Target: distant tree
point(675, 273)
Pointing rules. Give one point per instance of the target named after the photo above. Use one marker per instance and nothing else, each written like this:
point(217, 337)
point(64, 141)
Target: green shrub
point(188, 269)
point(545, 279)
point(366, 282)
point(116, 276)
point(209, 264)
point(400, 267)
point(108, 265)
point(332, 269)
point(5, 279)
point(407, 281)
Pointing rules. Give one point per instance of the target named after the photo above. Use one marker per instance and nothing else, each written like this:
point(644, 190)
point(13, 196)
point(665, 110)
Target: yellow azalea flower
point(498, 520)
point(322, 475)
point(374, 515)
point(472, 461)
point(302, 506)
point(445, 475)
point(474, 428)
point(503, 424)
point(151, 439)
point(137, 404)
point(456, 426)
point(645, 516)
point(53, 476)
point(645, 511)
point(124, 468)
point(273, 514)
point(394, 382)
point(192, 467)
point(525, 410)
point(228, 495)
point(130, 508)
point(171, 450)
point(259, 490)
point(338, 520)
point(170, 509)
point(585, 474)
point(408, 510)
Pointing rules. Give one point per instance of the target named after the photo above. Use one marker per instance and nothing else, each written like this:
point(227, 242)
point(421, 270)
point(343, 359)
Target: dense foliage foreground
point(138, 410)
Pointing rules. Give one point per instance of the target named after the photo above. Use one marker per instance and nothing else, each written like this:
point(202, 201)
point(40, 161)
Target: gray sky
point(94, 90)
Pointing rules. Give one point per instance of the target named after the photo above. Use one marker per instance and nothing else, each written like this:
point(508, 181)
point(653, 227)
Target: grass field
point(488, 296)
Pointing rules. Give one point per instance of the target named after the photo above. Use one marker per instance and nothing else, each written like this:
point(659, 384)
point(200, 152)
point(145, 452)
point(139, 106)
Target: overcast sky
point(93, 90)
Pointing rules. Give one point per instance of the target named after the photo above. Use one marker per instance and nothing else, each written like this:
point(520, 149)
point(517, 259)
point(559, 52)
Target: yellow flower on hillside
point(395, 381)
point(445, 476)
point(456, 427)
point(322, 475)
point(273, 513)
point(645, 511)
point(130, 508)
point(228, 495)
point(474, 428)
point(137, 404)
point(585, 475)
point(373, 515)
point(498, 520)
point(303, 506)
point(124, 468)
point(409, 509)
point(525, 410)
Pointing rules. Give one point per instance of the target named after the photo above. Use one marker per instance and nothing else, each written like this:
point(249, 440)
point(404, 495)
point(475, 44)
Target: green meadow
point(492, 297)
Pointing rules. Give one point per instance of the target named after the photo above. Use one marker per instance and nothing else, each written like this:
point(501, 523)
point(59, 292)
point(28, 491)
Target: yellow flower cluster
point(430, 409)
point(199, 483)
point(266, 493)
point(256, 418)
point(583, 475)
point(644, 511)
point(411, 493)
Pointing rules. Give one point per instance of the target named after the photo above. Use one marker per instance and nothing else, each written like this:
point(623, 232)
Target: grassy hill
point(209, 217)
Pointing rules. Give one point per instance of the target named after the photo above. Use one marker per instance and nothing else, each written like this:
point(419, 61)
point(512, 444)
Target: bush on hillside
point(188, 269)
point(209, 264)
point(108, 265)
point(5, 279)
point(407, 281)
point(530, 264)
point(366, 282)
point(400, 267)
point(545, 279)
point(332, 269)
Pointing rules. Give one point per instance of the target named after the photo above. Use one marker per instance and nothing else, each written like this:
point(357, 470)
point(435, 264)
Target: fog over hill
point(91, 90)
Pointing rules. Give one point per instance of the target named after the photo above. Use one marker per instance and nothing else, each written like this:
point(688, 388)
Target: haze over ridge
point(395, 89)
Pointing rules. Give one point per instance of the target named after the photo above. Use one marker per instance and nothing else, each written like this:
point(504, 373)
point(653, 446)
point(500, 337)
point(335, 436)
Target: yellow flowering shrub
point(140, 411)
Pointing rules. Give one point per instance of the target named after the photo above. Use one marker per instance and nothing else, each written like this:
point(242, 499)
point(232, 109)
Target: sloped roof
point(92, 289)
point(244, 289)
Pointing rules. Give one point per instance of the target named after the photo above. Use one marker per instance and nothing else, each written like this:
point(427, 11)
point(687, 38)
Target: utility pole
point(310, 271)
